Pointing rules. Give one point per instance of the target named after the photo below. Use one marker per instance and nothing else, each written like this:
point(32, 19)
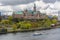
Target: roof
point(30, 11)
point(19, 12)
point(33, 12)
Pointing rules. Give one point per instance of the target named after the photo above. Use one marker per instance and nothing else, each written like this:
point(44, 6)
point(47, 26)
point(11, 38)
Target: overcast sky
point(18, 2)
point(42, 5)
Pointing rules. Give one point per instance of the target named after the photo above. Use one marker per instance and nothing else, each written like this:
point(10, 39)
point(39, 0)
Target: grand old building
point(29, 14)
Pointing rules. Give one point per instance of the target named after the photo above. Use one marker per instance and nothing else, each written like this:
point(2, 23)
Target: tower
point(13, 14)
point(34, 8)
point(25, 12)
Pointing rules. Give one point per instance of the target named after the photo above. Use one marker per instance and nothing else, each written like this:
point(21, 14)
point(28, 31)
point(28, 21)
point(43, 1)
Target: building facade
point(29, 14)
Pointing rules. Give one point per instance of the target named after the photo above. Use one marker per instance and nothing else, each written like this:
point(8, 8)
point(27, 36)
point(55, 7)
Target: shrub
point(25, 25)
point(14, 27)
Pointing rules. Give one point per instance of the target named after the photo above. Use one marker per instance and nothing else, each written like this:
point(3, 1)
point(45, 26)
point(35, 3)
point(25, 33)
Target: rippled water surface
point(53, 34)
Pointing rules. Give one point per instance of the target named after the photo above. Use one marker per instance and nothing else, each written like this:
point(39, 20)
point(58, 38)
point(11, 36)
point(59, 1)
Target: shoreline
point(27, 30)
point(30, 30)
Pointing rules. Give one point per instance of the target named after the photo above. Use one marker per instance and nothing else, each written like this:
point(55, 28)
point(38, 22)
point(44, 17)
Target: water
point(53, 34)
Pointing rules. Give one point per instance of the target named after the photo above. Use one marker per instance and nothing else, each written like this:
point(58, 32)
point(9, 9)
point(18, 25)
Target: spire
point(34, 7)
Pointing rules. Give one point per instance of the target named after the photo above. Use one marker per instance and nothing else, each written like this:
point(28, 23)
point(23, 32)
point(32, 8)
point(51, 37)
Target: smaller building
point(5, 17)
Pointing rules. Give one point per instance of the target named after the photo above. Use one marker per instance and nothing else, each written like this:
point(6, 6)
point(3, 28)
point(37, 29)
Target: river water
point(52, 34)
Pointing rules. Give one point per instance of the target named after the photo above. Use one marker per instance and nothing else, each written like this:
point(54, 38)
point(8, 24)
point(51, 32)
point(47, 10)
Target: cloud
point(18, 2)
point(15, 2)
point(39, 4)
point(44, 6)
point(57, 5)
point(6, 8)
point(50, 11)
point(1, 4)
point(49, 1)
point(19, 7)
point(58, 0)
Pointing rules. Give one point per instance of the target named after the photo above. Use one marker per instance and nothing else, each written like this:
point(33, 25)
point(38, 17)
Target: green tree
point(25, 25)
point(14, 27)
point(19, 25)
point(54, 17)
point(34, 24)
point(10, 18)
point(54, 21)
point(47, 23)
point(5, 22)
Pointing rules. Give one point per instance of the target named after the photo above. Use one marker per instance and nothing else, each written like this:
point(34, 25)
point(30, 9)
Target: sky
point(44, 6)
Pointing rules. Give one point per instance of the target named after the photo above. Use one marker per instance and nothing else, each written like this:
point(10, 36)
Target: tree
point(54, 17)
point(26, 25)
point(14, 27)
point(54, 21)
point(19, 25)
point(5, 21)
point(34, 24)
point(47, 23)
point(10, 18)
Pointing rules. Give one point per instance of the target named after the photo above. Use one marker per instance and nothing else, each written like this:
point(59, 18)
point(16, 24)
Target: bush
point(10, 18)
point(14, 27)
point(47, 23)
point(6, 22)
point(54, 21)
point(25, 25)
point(19, 25)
